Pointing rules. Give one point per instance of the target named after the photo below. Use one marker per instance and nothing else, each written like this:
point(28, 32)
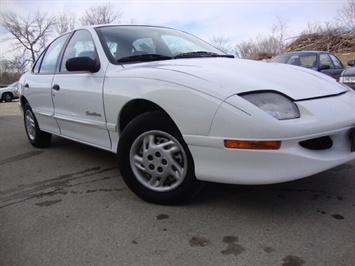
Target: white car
point(9, 92)
point(178, 112)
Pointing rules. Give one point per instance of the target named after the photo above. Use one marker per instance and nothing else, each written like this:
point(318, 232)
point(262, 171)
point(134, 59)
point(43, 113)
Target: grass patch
point(345, 57)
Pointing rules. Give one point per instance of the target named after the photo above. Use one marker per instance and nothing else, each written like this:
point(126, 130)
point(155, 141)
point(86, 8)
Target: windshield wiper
point(202, 54)
point(143, 58)
point(156, 57)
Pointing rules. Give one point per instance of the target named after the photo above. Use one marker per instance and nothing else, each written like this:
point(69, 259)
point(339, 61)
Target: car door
point(335, 66)
point(338, 66)
point(38, 84)
point(78, 97)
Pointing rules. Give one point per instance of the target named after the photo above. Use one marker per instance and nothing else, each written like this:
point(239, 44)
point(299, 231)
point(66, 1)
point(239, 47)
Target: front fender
point(191, 110)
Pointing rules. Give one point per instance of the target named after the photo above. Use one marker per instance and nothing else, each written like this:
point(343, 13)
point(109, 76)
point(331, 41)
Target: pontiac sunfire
point(178, 112)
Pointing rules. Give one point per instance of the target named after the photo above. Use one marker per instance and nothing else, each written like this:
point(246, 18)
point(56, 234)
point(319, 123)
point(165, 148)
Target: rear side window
point(38, 64)
point(50, 59)
point(308, 60)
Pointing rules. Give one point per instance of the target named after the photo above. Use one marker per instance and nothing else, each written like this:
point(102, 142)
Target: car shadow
point(316, 192)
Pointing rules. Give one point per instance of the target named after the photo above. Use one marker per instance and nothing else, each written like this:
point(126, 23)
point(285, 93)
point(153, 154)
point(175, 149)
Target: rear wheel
point(155, 162)
point(37, 137)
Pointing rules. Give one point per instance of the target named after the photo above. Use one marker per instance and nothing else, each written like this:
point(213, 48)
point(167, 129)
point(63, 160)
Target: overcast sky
point(235, 20)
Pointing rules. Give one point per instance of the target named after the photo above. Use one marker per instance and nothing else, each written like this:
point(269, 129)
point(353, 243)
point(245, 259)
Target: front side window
point(325, 61)
point(336, 62)
point(50, 59)
point(80, 45)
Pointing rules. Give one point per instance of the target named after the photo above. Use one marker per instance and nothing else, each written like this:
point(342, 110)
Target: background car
point(324, 62)
point(348, 75)
point(9, 93)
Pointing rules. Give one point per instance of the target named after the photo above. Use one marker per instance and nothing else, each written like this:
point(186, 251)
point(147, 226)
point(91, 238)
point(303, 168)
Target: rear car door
point(38, 85)
point(78, 96)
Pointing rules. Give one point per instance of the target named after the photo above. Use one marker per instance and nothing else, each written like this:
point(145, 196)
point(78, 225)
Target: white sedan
point(178, 112)
point(9, 92)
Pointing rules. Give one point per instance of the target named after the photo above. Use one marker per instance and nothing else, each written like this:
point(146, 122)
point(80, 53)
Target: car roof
point(121, 26)
point(93, 27)
point(309, 51)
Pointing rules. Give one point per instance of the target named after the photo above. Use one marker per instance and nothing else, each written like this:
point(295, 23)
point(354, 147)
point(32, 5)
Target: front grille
point(322, 143)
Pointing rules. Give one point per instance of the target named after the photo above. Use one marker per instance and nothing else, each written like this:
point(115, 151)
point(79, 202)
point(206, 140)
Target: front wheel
point(155, 162)
point(37, 137)
point(8, 97)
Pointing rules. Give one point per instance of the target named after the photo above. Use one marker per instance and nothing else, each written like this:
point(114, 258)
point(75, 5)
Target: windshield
point(144, 43)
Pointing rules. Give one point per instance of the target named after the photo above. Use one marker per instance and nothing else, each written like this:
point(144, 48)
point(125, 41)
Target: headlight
point(275, 104)
point(347, 79)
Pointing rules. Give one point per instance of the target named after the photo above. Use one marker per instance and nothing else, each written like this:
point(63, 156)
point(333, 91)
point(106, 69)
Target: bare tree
point(312, 27)
point(278, 33)
point(270, 45)
point(346, 16)
point(104, 14)
point(66, 21)
point(221, 43)
point(247, 49)
point(10, 70)
point(30, 33)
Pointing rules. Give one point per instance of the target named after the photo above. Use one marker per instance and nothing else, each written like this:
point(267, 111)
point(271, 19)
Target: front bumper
point(215, 163)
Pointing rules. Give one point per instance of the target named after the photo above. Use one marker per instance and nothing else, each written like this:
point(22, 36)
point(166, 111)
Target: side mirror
point(324, 67)
point(82, 64)
point(351, 62)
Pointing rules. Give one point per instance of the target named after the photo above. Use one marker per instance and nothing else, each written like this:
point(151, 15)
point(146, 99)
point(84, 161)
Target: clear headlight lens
point(347, 79)
point(274, 104)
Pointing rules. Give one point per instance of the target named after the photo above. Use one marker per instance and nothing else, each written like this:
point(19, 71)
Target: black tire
point(7, 97)
point(36, 137)
point(162, 171)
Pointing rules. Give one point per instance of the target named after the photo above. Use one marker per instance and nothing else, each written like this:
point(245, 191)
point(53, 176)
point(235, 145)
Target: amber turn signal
point(252, 144)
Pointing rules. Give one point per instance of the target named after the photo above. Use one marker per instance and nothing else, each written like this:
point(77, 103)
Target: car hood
point(349, 72)
point(234, 76)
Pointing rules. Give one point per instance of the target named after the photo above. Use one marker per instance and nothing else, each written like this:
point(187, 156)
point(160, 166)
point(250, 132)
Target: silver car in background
point(347, 77)
point(9, 93)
